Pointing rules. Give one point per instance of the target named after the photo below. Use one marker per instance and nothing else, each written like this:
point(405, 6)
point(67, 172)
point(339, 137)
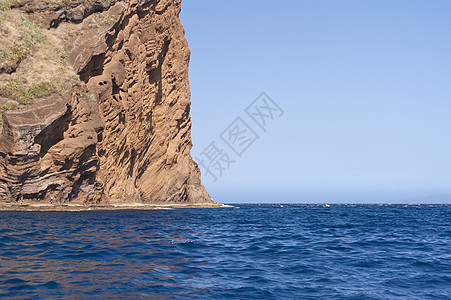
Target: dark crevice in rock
point(53, 133)
point(66, 166)
point(81, 12)
point(124, 157)
point(115, 88)
point(41, 194)
point(184, 118)
point(94, 67)
point(76, 188)
point(155, 78)
point(164, 51)
point(87, 159)
point(99, 137)
point(101, 152)
point(112, 34)
point(132, 163)
point(163, 10)
point(121, 118)
point(155, 75)
point(10, 70)
point(129, 54)
point(24, 176)
point(143, 6)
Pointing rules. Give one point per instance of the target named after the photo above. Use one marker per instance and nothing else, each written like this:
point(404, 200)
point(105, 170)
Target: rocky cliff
point(95, 103)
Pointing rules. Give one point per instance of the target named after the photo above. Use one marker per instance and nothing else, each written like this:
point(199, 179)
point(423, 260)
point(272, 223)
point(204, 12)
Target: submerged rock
point(112, 122)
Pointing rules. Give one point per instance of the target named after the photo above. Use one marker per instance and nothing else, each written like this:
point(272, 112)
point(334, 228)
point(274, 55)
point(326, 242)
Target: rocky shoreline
point(81, 207)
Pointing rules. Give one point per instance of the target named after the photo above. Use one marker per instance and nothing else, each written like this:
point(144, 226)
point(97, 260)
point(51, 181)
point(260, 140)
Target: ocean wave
point(267, 251)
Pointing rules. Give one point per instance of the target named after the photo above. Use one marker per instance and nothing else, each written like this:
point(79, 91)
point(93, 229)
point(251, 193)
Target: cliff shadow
point(53, 133)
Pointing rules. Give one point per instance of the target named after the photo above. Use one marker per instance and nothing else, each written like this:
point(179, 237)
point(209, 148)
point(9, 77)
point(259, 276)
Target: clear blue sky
point(365, 87)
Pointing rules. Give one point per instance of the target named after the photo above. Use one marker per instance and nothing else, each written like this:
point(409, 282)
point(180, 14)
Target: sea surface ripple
point(241, 252)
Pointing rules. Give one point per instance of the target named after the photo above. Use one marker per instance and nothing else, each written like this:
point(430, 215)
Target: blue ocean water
point(241, 252)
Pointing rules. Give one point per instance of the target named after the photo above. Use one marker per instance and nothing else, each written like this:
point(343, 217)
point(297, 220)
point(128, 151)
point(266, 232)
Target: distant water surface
point(242, 252)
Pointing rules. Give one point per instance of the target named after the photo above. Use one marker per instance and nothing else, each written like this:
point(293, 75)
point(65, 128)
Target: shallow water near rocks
point(243, 252)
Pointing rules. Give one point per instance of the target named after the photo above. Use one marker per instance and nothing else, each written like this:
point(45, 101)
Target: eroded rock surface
point(118, 133)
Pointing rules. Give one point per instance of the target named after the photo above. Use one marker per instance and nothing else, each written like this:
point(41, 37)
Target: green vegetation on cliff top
point(32, 61)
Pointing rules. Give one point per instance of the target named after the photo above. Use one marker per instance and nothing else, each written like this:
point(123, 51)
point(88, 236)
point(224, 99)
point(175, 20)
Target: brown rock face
point(120, 132)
